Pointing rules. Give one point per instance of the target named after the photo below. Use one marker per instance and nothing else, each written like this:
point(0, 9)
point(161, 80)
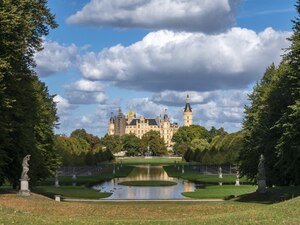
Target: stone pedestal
point(237, 182)
point(57, 198)
point(262, 187)
point(56, 183)
point(220, 176)
point(24, 188)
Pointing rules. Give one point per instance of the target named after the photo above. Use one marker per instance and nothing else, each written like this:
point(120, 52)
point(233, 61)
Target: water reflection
point(146, 172)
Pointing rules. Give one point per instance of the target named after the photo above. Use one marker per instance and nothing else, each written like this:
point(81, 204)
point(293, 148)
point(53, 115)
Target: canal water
point(146, 172)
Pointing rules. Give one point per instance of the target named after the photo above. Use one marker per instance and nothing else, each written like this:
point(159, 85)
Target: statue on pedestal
point(237, 181)
point(24, 187)
point(56, 179)
point(220, 172)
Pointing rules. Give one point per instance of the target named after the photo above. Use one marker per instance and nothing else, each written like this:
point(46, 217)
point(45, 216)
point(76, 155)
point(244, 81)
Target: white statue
point(237, 181)
point(25, 165)
point(220, 172)
point(24, 186)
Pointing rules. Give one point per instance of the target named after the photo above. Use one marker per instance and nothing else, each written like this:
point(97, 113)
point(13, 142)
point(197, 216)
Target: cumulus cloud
point(62, 104)
point(188, 15)
point(86, 92)
point(167, 60)
point(86, 86)
point(221, 108)
point(146, 107)
point(221, 97)
point(55, 58)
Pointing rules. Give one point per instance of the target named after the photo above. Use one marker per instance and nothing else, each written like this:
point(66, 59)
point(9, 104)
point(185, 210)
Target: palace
point(129, 124)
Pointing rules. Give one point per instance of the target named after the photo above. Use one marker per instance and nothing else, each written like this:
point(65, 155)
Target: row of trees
point(27, 111)
point(81, 149)
point(214, 146)
point(272, 120)
point(223, 149)
point(151, 142)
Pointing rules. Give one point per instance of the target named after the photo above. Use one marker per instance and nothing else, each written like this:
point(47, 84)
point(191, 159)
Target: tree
point(187, 134)
point(180, 148)
point(288, 145)
point(271, 122)
point(213, 132)
point(131, 144)
point(112, 142)
point(23, 24)
point(259, 120)
point(200, 144)
point(155, 142)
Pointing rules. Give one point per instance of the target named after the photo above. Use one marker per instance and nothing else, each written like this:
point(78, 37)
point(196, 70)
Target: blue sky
point(149, 54)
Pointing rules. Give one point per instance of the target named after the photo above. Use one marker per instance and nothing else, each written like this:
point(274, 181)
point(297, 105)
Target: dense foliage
point(27, 111)
point(195, 143)
point(223, 149)
point(271, 123)
point(81, 149)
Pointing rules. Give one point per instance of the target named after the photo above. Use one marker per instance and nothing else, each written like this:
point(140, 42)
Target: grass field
point(190, 174)
point(148, 160)
point(71, 192)
point(40, 210)
point(148, 183)
point(224, 192)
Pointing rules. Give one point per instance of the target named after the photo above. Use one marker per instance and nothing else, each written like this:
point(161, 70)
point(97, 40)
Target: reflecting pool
point(146, 172)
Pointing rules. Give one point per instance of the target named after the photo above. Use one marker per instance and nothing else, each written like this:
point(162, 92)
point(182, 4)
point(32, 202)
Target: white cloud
point(86, 86)
point(55, 58)
point(62, 104)
point(189, 15)
point(146, 107)
point(221, 108)
point(221, 97)
point(167, 60)
point(86, 92)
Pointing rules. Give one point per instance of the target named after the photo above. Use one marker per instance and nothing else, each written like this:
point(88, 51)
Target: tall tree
point(272, 121)
point(288, 146)
point(23, 24)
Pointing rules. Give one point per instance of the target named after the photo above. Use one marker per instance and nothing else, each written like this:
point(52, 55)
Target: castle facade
point(130, 124)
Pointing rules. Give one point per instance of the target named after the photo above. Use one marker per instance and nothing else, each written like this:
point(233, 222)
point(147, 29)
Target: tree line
point(271, 123)
point(150, 143)
point(215, 146)
point(81, 148)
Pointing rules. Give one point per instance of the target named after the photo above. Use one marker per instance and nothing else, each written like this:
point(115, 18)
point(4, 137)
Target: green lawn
point(146, 160)
point(190, 174)
point(71, 192)
point(37, 210)
point(224, 191)
point(148, 183)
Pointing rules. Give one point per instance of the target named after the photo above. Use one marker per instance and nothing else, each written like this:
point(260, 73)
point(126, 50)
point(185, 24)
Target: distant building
point(120, 125)
point(187, 113)
point(130, 124)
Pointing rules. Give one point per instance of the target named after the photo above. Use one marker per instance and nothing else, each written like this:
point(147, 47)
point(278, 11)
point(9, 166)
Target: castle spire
point(187, 107)
point(187, 114)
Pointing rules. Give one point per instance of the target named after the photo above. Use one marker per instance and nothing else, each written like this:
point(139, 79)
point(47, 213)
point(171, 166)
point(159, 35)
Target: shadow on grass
point(8, 190)
point(273, 195)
